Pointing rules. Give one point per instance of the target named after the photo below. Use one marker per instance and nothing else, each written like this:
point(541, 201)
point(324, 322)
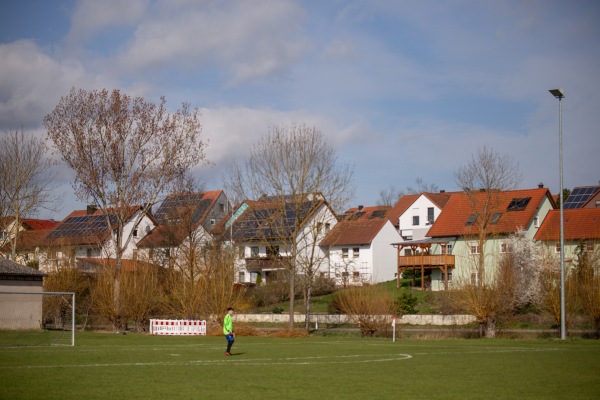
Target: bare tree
point(125, 151)
point(292, 166)
point(389, 196)
point(483, 179)
point(26, 180)
point(421, 187)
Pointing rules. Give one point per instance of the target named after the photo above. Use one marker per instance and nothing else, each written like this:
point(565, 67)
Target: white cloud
point(247, 39)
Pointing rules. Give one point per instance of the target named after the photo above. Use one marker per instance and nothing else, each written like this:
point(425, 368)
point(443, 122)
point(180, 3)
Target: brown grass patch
point(290, 333)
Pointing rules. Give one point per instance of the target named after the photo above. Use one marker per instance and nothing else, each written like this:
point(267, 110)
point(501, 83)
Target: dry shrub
point(290, 333)
point(369, 306)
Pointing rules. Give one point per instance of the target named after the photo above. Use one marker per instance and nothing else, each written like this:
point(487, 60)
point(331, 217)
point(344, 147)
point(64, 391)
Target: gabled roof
point(86, 227)
point(28, 241)
point(32, 223)
point(513, 209)
point(199, 204)
point(579, 223)
point(370, 212)
point(400, 207)
point(439, 199)
point(272, 220)
point(179, 215)
point(357, 232)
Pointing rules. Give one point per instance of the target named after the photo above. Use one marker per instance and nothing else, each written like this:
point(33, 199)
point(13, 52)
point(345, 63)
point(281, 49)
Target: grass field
point(110, 366)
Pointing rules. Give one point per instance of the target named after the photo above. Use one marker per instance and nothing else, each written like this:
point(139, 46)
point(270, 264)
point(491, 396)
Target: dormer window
point(471, 220)
point(518, 204)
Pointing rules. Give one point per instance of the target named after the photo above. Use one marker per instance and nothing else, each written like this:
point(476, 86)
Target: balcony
point(430, 261)
point(267, 263)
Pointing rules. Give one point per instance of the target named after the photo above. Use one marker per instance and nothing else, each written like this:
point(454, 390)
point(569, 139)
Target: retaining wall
point(413, 319)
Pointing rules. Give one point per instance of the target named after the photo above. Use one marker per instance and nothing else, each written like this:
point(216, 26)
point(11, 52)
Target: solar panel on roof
point(579, 196)
point(518, 204)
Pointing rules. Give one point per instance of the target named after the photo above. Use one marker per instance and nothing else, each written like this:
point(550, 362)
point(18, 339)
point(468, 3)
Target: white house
point(85, 234)
point(361, 251)
point(274, 235)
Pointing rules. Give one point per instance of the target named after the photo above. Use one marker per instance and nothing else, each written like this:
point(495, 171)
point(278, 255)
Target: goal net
point(37, 318)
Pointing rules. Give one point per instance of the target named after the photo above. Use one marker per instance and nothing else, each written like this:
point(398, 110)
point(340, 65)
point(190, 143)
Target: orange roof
point(28, 241)
point(400, 207)
point(579, 223)
point(366, 212)
point(452, 221)
point(33, 224)
point(357, 232)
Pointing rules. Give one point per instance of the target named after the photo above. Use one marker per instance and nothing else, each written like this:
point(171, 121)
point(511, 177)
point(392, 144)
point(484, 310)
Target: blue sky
point(402, 89)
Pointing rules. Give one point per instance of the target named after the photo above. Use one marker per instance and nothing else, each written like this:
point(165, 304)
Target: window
point(241, 276)
point(241, 251)
point(355, 252)
point(273, 251)
point(254, 251)
point(356, 276)
point(344, 252)
point(415, 220)
point(430, 215)
point(536, 222)
point(557, 248)
point(408, 252)
point(319, 227)
point(449, 249)
point(474, 278)
point(327, 227)
point(471, 220)
point(135, 233)
point(222, 207)
point(474, 248)
point(597, 203)
point(505, 248)
point(495, 218)
point(212, 222)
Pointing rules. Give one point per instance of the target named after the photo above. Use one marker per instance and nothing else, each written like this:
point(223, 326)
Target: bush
point(406, 303)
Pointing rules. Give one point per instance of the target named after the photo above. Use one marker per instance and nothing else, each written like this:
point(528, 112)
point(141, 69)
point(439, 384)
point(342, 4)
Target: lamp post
point(559, 94)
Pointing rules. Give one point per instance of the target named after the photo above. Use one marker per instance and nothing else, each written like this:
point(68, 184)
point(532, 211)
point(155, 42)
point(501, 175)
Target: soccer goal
point(37, 319)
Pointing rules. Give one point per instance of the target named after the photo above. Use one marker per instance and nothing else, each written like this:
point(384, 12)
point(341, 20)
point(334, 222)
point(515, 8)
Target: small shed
point(18, 308)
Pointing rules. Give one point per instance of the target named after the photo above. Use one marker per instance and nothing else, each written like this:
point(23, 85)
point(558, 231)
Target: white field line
point(308, 360)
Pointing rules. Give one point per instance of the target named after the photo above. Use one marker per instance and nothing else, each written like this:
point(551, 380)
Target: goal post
point(37, 318)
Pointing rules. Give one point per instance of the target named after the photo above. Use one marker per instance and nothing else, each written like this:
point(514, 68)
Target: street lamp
point(559, 94)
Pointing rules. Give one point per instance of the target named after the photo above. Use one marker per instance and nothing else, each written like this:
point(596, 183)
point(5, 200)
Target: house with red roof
point(87, 234)
point(581, 228)
point(360, 251)
point(30, 234)
point(451, 249)
point(185, 221)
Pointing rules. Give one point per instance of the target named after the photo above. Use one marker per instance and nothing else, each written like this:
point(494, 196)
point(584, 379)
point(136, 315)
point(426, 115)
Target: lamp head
point(558, 93)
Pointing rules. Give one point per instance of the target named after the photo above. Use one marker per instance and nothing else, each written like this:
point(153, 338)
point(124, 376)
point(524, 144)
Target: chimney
point(442, 191)
point(360, 208)
point(541, 185)
point(91, 208)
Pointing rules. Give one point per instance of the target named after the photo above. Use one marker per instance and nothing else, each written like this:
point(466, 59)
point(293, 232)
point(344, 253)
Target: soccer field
point(110, 366)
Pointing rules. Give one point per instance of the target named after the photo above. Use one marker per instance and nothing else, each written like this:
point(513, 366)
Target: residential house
point(274, 235)
point(186, 222)
point(28, 227)
point(86, 234)
point(414, 214)
point(451, 249)
point(581, 228)
point(360, 251)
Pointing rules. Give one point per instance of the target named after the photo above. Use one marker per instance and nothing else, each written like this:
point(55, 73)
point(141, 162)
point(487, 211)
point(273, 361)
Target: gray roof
point(8, 267)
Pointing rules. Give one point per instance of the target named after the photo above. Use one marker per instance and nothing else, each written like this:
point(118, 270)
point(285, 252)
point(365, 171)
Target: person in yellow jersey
point(228, 330)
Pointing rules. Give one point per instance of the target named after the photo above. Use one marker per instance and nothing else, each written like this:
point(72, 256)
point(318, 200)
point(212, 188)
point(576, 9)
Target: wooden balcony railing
point(267, 263)
point(426, 260)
